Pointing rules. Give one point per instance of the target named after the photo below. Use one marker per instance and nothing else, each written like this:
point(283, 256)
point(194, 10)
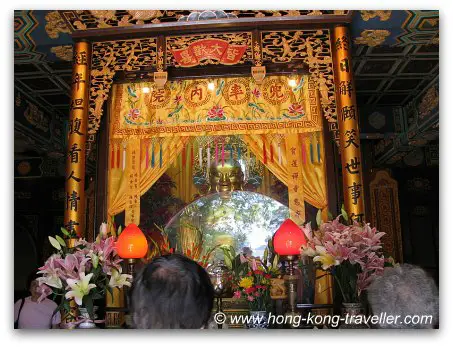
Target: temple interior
point(210, 136)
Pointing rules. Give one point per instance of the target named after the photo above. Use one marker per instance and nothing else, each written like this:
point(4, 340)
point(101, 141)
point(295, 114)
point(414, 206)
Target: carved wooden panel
point(385, 213)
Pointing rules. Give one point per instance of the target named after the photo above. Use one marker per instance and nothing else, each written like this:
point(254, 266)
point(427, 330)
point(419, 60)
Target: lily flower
point(80, 287)
point(308, 251)
point(325, 259)
point(45, 292)
point(119, 280)
point(52, 280)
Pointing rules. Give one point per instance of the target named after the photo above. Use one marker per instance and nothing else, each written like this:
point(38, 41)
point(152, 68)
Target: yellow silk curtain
point(315, 184)
point(183, 175)
point(118, 179)
point(315, 190)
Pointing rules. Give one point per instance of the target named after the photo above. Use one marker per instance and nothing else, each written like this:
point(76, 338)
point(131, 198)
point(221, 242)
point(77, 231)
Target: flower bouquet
point(351, 253)
point(255, 289)
point(82, 272)
point(252, 277)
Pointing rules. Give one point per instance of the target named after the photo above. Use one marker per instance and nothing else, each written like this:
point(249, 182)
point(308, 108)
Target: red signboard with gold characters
point(210, 50)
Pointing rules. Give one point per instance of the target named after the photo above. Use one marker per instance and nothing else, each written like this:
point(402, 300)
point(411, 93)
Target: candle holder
point(220, 278)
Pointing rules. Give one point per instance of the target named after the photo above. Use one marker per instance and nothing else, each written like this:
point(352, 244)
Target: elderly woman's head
point(405, 291)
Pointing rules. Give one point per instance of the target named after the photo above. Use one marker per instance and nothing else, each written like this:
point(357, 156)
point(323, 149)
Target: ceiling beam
point(214, 25)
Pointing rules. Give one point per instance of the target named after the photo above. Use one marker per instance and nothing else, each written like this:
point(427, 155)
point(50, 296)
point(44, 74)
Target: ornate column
point(348, 125)
point(74, 213)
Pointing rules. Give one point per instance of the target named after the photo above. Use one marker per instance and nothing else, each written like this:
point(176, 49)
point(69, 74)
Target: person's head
point(32, 282)
point(171, 292)
point(407, 291)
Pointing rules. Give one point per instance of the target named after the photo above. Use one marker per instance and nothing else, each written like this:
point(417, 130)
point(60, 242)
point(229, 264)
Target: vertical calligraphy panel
point(132, 174)
point(295, 179)
point(74, 213)
point(348, 125)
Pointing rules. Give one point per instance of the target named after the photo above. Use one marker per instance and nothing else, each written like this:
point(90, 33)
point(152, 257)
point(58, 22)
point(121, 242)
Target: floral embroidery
point(216, 113)
point(134, 114)
point(256, 93)
point(295, 111)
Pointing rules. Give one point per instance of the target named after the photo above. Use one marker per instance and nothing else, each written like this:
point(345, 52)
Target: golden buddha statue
point(226, 177)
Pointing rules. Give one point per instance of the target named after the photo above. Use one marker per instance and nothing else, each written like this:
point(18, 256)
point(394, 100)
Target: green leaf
point(95, 260)
point(54, 243)
point(119, 230)
point(329, 215)
point(344, 213)
point(228, 263)
point(275, 263)
point(232, 252)
point(175, 111)
point(219, 89)
point(255, 106)
point(65, 232)
point(319, 218)
point(97, 296)
point(266, 254)
point(60, 241)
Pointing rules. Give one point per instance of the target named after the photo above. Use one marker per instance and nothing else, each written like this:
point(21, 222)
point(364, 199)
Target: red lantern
point(132, 243)
point(288, 239)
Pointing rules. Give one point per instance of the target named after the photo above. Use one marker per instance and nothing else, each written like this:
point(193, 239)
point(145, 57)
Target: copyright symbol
point(220, 317)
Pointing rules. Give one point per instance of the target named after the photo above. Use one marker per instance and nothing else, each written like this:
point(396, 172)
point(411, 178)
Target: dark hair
point(31, 277)
point(171, 292)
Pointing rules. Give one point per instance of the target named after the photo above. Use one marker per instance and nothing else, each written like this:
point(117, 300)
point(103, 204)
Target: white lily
point(80, 287)
point(308, 251)
point(52, 281)
point(119, 280)
point(325, 258)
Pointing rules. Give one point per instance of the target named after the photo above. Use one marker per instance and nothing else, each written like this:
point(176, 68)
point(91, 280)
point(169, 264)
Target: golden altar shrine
point(145, 92)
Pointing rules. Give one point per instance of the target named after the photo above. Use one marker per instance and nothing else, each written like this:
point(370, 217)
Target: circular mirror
point(244, 220)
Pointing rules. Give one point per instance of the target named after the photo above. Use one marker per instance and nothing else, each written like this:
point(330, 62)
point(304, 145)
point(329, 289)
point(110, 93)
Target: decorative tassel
point(264, 153)
point(112, 158)
point(216, 153)
point(191, 155)
point(239, 153)
point(231, 154)
point(223, 154)
point(118, 156)
point(303, 152)
point(272, 153)
point(152, 156)
point(200, 157)
point(279, 154)
point(318, 146)
point(160, 154)
point(208, 160)
point(147, 155)
point(184, 156)
point(311, 152)
point(124, 157)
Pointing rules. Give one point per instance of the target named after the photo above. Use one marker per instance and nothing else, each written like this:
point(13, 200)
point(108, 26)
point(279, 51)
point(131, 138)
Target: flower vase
point(353, 315)
point(87, 323)
point(258, 320)
point(69, 318)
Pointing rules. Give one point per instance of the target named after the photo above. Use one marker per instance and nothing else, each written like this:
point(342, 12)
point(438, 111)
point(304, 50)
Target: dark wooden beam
point(211, 26)
point(175, 73)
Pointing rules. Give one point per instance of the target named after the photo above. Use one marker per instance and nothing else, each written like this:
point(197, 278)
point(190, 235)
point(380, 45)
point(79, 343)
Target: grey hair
point(405, 290)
